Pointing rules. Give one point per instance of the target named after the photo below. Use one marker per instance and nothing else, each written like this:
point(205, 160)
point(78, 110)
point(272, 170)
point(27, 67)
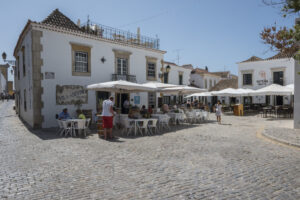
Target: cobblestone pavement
point(285, 135)
point(207, 161)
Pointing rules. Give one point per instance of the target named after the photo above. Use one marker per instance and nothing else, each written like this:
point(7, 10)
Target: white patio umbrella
point(273, 89)
point(292, 87)
point(182, 90)
point(225, 92)
point(202, 94)
point(120, 87)
point(158, 85)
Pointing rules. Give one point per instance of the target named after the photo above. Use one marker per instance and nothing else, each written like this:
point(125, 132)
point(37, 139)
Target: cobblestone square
point(205, 161)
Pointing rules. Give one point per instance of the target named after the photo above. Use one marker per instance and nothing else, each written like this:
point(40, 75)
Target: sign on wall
point(49, 75)
point(69, 94)
point(137, 99)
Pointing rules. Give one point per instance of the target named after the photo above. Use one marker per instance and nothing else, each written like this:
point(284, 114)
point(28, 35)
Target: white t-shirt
point(106, 108)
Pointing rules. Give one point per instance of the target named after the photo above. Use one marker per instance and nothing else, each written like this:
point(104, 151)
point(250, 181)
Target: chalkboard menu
point(70, 94)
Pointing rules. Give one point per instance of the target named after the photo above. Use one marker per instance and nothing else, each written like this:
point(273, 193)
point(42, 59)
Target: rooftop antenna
point(178, 55)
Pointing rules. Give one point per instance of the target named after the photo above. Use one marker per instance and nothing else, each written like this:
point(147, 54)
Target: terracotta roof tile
point(56, 18)
point(253, 58)
point(226, 83)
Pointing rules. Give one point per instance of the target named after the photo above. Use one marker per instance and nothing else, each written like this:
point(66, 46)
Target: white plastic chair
point(152, 124)
point(128, 126)
point(190, 118)
point(68, 127)
point(164, 122)
point(61, 127)
point(143, 126)
point(80, 125)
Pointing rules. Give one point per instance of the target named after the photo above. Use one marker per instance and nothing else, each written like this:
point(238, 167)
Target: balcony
point(124, 77)
point(122, 36)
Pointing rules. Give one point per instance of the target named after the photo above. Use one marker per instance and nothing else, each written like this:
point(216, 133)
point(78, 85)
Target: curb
point(279, 140)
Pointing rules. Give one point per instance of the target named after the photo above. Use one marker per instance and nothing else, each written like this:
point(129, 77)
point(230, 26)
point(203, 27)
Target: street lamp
point(11, 62)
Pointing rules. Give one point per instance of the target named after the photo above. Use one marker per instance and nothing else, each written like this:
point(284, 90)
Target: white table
point(136, 121)
point(72, 122)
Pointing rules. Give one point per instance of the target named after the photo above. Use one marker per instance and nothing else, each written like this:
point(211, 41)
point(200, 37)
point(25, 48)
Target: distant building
point(177, 75)
point(255, 73)
point(3, 79)
point(57, 58)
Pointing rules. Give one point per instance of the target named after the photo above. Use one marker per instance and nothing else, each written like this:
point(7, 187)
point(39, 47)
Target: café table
point(137, 121)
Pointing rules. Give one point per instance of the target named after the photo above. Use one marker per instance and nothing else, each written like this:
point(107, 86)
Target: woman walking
point(218, 111)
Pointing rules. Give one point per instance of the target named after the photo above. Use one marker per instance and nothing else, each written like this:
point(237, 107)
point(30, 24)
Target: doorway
point(279, 100)
point(124, 96)
point(100, 97)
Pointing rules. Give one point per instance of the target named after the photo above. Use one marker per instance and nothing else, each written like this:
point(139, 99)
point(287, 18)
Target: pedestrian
point(218, 111)
point(107, 117)
point(64, 115)
point(126, 105)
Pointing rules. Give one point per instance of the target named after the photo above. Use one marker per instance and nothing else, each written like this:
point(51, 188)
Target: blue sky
point(213, 33)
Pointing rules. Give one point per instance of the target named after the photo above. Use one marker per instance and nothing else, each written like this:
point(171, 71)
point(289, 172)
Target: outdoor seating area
point(73, 127)
point(267, 110)
point(159, 122)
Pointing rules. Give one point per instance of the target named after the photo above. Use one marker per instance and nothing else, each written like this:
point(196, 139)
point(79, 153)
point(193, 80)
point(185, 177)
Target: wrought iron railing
point(120, 35)
point(124, 77)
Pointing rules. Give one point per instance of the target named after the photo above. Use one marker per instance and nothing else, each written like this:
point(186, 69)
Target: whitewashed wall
point(266, 66)
point(56, 57)
point(25, 82)
point(174, 74)
point(199, 80)
point(297, 96)
point(2, 83)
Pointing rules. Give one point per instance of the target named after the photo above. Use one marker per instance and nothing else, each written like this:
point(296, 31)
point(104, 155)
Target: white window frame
point(81, 63)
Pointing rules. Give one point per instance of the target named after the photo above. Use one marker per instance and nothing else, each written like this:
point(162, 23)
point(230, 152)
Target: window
point(81, 61)
point(25, 102)
point(278, 77)
point(205, 82)
point(23, 61)
point(166, 100)
point(151, 99)
point(210, 83)
point(180, 77)
point(122, 68)
point(247, 79)
point(151, 70)
point(215, 82)
point(166, 77)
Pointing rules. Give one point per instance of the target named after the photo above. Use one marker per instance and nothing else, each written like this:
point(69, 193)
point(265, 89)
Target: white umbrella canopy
point(202, 94)
point(225, 92)
point(292, 87)
point(273, 89)
point(158, 85)
point(120, 86)
point(182, 90)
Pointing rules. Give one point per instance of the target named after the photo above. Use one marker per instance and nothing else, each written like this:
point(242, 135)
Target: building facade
point(3, 79)
point(202, 78)
point(256, 73)
point(57, 59)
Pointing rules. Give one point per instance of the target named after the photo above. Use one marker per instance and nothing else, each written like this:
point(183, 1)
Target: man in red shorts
point(107, 116)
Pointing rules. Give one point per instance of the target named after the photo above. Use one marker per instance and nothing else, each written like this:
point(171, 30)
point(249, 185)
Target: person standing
point(107, 116)
point(218, 111)
point(126, 106)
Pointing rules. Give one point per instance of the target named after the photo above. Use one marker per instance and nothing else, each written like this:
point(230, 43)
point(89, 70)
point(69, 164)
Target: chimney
point(138, 35)
point(206, 68)
point(78, 22)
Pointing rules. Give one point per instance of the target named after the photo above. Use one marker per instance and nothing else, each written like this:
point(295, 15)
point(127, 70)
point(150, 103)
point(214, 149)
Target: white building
point(174, 74)
point(3, 78)
point(256, 73)
point(202, 78)
point(56, 59)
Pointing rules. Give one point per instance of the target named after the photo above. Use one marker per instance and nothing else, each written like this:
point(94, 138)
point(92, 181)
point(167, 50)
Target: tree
point(283, 39)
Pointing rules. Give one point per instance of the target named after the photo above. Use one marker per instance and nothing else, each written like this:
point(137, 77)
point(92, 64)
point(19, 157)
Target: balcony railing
point(120, 35)
point(124, 77)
